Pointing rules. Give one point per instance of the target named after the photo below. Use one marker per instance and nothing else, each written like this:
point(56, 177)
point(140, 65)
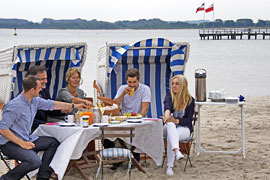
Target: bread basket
point(109, 102)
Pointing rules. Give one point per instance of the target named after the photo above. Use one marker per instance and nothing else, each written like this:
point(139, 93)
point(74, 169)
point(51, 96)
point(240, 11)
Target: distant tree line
point(139, 24)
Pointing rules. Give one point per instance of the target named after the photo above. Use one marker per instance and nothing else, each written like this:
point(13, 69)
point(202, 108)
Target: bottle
point(96, 115)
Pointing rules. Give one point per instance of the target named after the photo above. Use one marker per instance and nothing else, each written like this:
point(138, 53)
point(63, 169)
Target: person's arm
point(167, 116)
point(10, 136)
point(65, 96)
point(145, 107)
point(119, 98)
point(77, 100)
point(67, 106)
point(167, 108)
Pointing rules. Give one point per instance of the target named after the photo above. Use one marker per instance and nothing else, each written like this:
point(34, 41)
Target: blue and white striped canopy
point(157, 61)
point(56, 57)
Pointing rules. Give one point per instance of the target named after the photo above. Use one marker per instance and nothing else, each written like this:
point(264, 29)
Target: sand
point(220, 130)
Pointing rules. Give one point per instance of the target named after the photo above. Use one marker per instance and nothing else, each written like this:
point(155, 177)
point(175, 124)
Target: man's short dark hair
point(133, 73)
point(30, 82)
point(34, 70)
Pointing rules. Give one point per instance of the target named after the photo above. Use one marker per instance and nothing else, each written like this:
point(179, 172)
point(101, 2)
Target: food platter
point(135, 117)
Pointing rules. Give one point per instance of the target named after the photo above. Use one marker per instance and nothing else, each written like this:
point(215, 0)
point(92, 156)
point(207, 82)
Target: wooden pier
point(217, 34)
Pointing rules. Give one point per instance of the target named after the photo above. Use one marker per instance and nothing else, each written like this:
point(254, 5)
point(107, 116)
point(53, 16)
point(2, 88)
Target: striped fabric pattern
point(157, 61)
point(56, 57)
point(114, 153)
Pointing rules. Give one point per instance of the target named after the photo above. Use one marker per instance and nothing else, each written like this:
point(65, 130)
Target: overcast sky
point(115, 10)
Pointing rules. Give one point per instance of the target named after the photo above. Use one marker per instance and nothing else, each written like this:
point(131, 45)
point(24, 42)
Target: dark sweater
point(189, 111)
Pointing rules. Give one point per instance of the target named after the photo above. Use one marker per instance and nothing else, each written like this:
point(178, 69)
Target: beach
point(220, 130)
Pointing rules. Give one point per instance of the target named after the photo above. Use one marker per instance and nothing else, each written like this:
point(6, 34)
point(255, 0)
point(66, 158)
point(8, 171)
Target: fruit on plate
point(128, 114)
point(132, 114)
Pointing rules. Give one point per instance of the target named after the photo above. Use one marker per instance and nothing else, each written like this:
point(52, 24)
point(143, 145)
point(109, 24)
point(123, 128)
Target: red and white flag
point(211, 8)
point(201, 8)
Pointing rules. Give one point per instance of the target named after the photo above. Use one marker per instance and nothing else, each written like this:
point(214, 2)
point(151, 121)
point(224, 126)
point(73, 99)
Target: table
point(199, 148)
point(148, 139)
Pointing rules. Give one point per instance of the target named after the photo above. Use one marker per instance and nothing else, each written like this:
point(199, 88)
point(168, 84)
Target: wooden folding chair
point(117, 155)
point(184, 144)
point(89, 159)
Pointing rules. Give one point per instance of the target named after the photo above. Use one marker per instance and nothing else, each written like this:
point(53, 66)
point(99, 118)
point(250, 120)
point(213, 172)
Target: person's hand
point(127, 90)
point(175, 121)
point(166, 119)
point(80, 106)
point(88, 103)
point(27, 145)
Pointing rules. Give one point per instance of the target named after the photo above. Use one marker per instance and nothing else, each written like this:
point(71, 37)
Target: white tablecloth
point(148, 139)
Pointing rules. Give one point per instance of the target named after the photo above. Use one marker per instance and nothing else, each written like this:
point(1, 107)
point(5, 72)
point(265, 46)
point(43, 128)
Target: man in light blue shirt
point(16, 139)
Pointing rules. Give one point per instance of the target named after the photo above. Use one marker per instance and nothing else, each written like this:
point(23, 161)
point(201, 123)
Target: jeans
point(174, 134)
point(29, 160)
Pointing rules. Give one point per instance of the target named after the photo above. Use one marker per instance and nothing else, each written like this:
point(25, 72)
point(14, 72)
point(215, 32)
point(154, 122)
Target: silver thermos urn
point(200, 85)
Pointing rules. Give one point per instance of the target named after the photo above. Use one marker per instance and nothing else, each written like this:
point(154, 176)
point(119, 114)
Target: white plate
point(134, 121)
point(135, 117)
point(67, 124)
point(115, 122)
point(100, 124)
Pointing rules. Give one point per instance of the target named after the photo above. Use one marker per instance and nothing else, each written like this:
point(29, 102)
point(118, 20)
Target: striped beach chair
point(156, 59)
point(56, 57)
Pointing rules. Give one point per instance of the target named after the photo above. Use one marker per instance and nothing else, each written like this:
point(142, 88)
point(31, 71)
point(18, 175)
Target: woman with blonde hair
point(72, 93)
point(179, 109)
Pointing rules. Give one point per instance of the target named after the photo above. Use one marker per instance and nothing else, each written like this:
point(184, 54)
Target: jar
point(84, 121)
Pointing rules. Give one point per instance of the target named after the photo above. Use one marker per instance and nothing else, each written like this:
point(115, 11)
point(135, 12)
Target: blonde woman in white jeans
point(179, 109)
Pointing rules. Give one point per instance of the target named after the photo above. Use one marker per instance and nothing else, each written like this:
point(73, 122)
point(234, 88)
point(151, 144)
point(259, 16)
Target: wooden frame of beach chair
point(185, 145)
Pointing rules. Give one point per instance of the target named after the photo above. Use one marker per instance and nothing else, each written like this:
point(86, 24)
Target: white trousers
point(173, 135)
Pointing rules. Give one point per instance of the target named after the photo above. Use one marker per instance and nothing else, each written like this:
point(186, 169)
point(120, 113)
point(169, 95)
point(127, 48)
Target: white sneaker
point(178, 155)
point(169, 171)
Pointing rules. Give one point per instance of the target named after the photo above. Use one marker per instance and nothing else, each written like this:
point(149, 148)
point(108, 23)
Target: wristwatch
point(72, 105)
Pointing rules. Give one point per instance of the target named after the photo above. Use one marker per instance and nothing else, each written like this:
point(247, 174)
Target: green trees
point(138, 24)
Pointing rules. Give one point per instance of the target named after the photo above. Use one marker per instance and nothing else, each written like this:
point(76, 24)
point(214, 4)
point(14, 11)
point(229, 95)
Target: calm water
point(239, 66)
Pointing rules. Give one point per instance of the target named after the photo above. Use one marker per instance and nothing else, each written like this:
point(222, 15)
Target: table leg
point(198, 131)
point(243, 132)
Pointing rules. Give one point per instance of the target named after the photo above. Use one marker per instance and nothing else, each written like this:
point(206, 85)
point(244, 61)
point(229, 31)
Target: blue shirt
point(19, 114)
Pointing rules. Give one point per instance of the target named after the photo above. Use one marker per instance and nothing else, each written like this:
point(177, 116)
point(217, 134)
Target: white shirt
point(134, 103)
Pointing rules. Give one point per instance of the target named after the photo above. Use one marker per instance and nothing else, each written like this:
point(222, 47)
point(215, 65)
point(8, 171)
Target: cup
point(105, 119)
point(69, 118)
point(131, 92)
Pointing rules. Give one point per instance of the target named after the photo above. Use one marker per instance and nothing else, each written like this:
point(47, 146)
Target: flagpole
point(204, 18)
point(213, 12)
